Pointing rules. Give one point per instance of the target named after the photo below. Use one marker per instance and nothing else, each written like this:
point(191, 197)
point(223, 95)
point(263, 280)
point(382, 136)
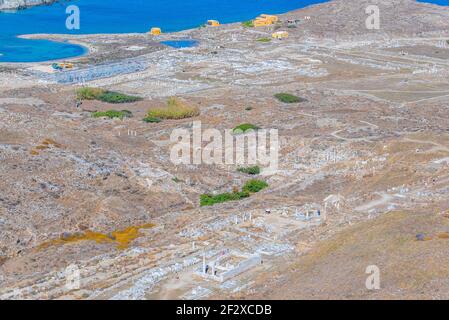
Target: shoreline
point(49, 36)
point(42, 36)
point(25, 6)
point(84, 54)
point(89, 48)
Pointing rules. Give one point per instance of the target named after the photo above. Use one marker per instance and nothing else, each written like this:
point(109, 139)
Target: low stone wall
point(250, 261)
point(93, 73)
point(243, 266)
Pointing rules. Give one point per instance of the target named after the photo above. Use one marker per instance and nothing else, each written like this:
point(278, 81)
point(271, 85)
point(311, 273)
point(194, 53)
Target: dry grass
point(46, 144)
point(389, 242)
point(176, 109)
point(122, 238)
point(89, 93)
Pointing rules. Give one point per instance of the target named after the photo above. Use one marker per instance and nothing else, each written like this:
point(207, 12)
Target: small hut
point(155, 31)
point(280, 35)
point(213, 23)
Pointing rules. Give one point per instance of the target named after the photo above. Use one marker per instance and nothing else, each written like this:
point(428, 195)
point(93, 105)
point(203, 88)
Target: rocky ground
point(18, 4)
point(369, 146)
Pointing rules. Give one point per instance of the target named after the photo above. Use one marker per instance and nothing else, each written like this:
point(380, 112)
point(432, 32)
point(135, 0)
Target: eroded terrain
point(368, 148)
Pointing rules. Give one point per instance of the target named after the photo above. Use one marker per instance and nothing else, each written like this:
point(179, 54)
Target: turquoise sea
point(118, 16)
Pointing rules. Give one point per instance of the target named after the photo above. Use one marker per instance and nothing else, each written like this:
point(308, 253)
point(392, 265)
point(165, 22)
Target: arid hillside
point(362, 118)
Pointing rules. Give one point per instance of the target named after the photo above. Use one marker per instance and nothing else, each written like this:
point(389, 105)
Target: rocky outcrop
point(17, 4)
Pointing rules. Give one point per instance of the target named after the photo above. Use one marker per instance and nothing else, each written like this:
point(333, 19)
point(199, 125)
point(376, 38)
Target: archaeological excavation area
point(93, 207)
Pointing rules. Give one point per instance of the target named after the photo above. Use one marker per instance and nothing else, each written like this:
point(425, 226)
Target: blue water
point(119, 16)
point(440, 2)
point(180, 43)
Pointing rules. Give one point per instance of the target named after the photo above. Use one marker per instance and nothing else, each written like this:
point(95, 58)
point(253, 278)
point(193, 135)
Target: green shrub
point(254, 186)
point(152, 120)
point(249, 108)
point(116, 97)
point(127, 113)
point(104, 95)
point(244, 128)
point(248, 24)
point(251, 186)
point(250, 170)
point(210, 200)
point(175, 109)
point(288, 98)
point(111, 114)
point(292, 26)
point(264, 39)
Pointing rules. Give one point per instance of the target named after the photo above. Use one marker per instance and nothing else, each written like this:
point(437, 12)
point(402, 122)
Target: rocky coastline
point(21, 4)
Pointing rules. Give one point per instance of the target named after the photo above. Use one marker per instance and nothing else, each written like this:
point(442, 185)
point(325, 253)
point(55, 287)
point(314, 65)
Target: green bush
point(116, 97)
point(248, 24)
point(254, 186)
point(104, 95)
point(152, 120)
point(111, 114)
point(127, 113)
point(250, 170)
point(264, 39)
point(288, 98)
point(251, 186)
point(244, 128)
point(210, 200)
